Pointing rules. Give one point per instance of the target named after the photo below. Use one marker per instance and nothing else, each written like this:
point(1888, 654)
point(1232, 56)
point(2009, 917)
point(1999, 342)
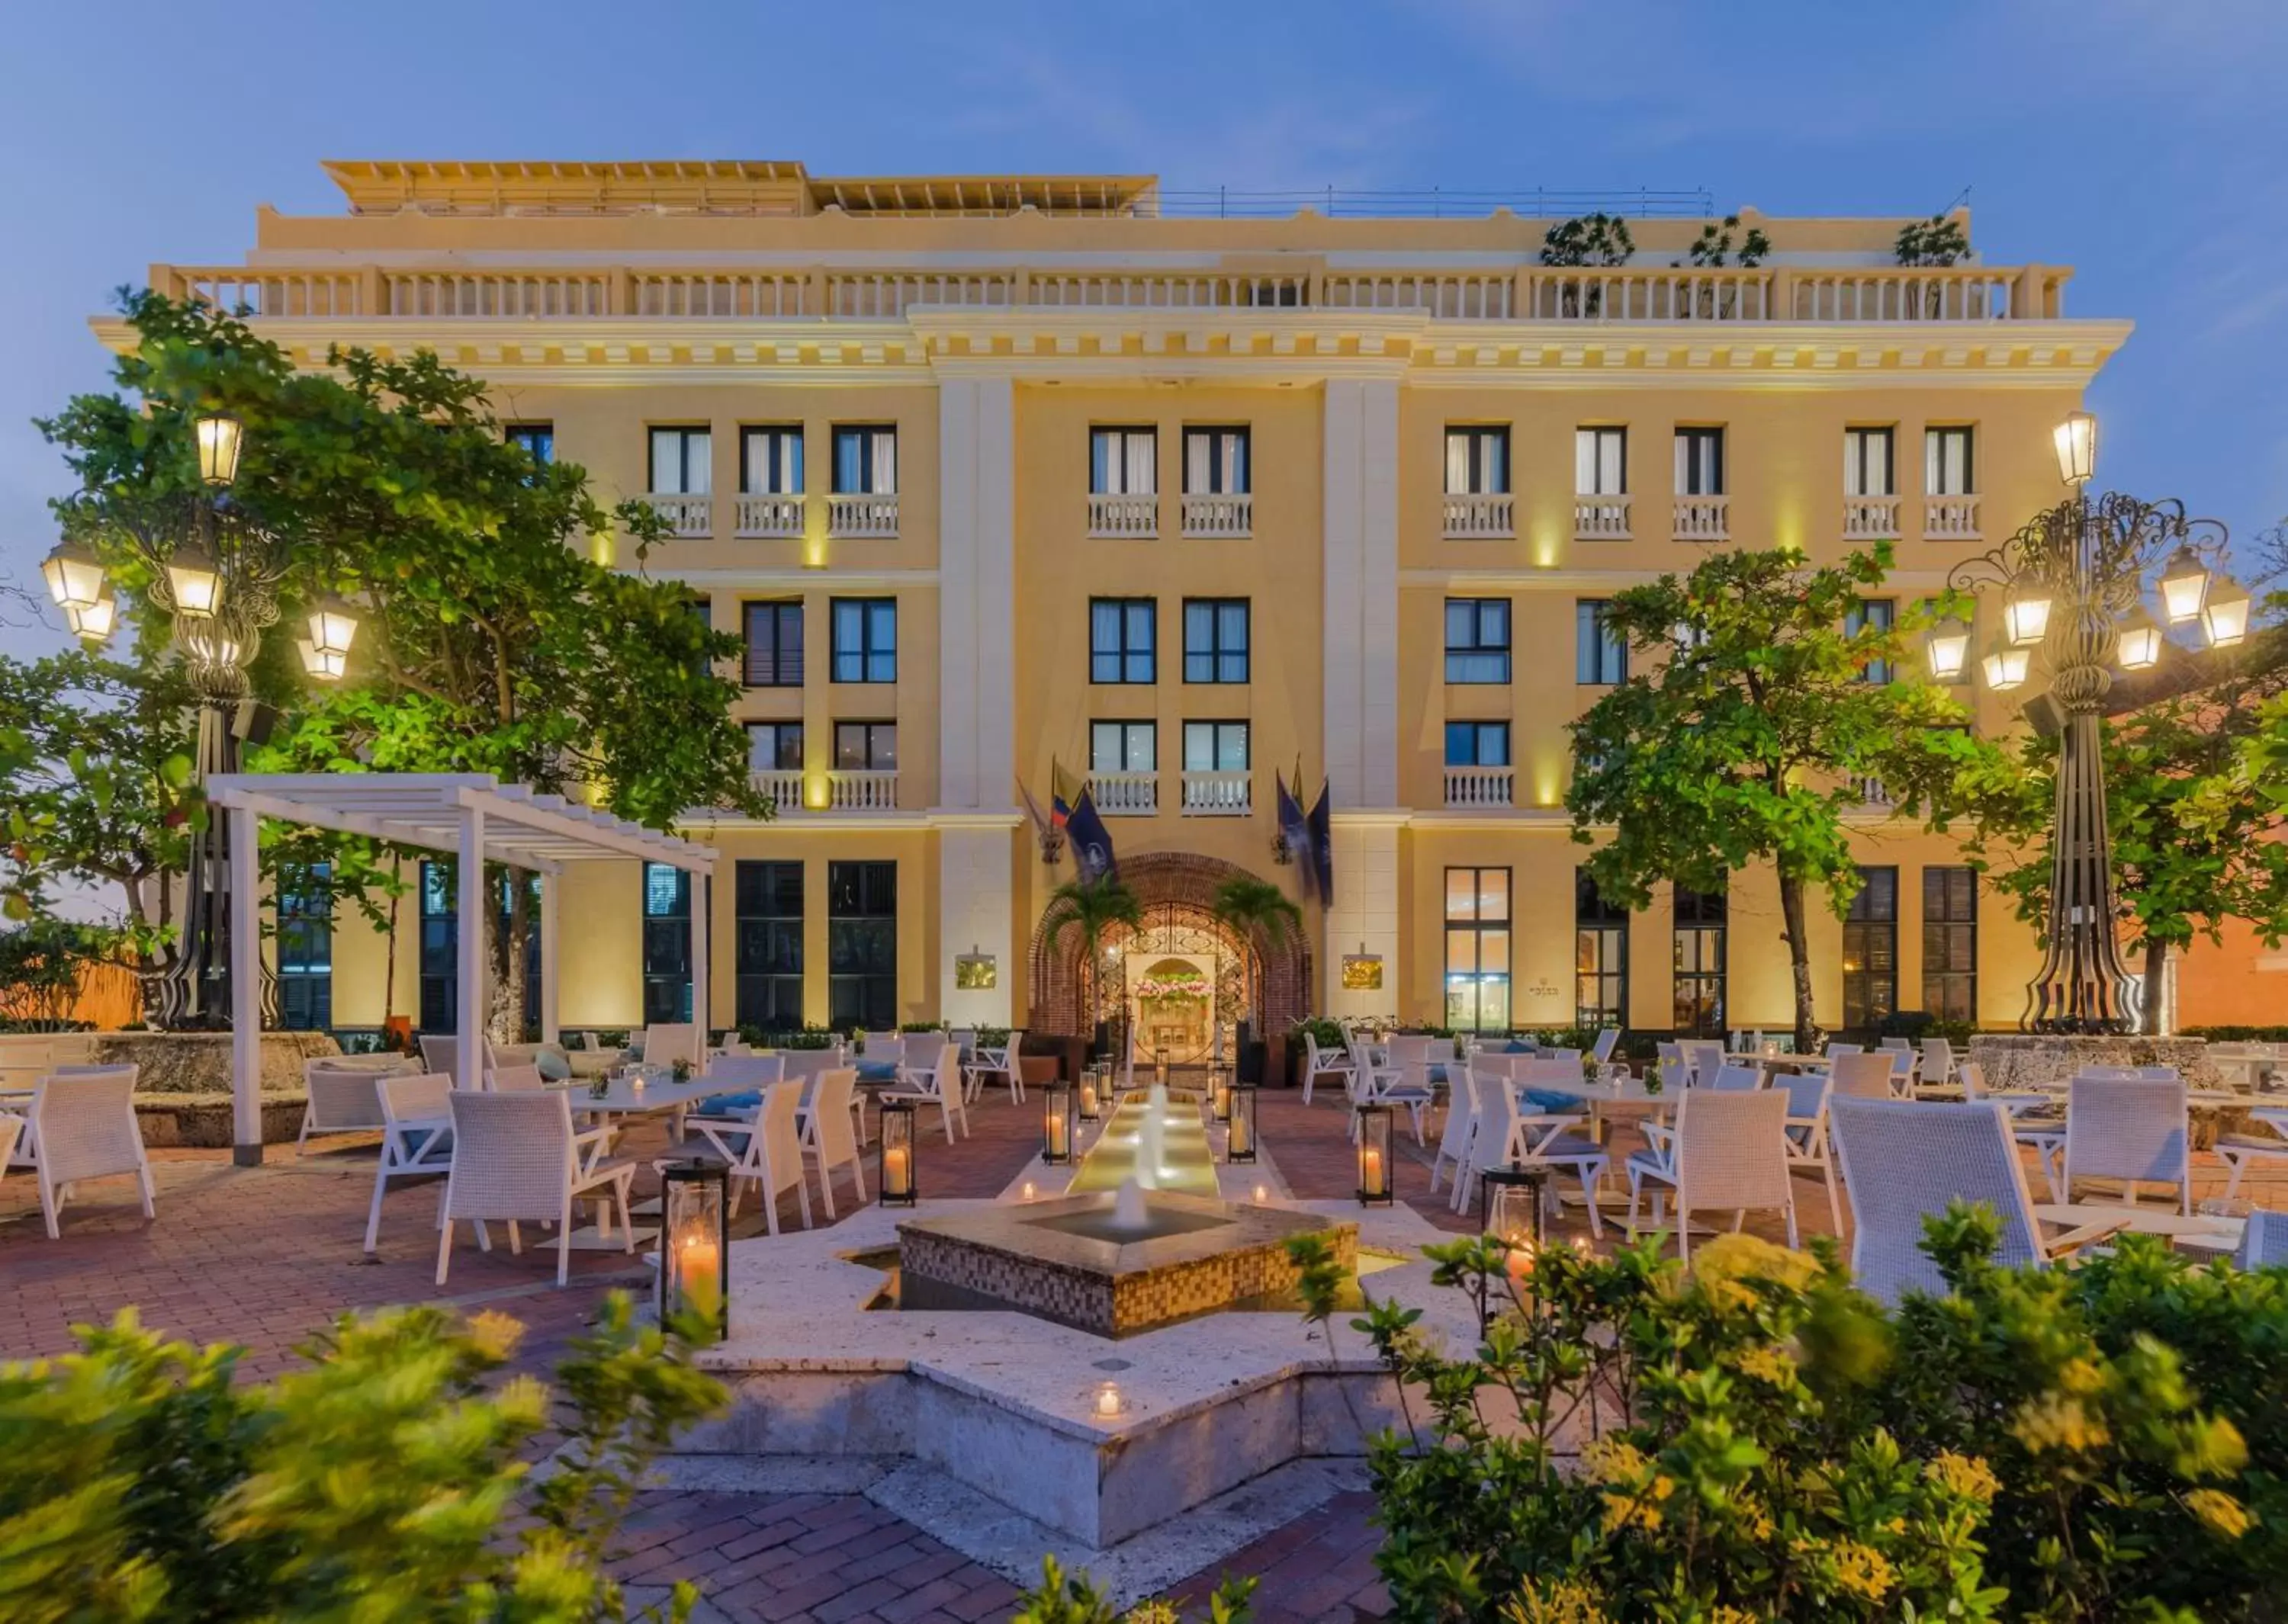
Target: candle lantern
point(1219, 1093)
point(1239, 1140)
point(1375, 1185)
point(1107, 1403)
point(895, 1174)
point(695, 1246)
point(1057, 1122)
point(1160, 1067)
point(1090, 1099)
point(1510, 1209)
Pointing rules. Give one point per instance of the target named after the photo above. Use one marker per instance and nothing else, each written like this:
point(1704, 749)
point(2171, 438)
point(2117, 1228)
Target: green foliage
point(1745, 722)
point(388, 1480)
point(2238, 1034)
point(1714, 247)
point(1939, 241)
point(1059, 1599)
point(1090, 908)
point(806, 1037)
point(1255, 911)
point(1758, 1441)
point(41, 964)
point(1588, 240)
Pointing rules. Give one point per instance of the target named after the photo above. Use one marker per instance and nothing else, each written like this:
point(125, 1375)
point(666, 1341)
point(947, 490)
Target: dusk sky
point(2145, 145)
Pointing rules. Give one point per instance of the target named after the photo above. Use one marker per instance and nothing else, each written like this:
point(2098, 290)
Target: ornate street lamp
point(220, 436)
point(2073, 583)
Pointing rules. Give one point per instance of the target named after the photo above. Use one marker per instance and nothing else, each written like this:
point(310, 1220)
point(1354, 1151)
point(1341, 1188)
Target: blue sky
point(2144, 144)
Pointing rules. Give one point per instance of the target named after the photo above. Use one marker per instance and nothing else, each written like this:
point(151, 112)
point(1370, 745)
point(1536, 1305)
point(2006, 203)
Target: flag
point(1296, 831)
point(1065, 791)
point(1322, 846)
point(1092, 843)
point(1051, 838)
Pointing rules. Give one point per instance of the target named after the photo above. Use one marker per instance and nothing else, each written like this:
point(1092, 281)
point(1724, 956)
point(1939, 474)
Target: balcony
point(1124, 517)
point(1870, 518)
point(1600, 518)
point(1480, 515)
point(1219, 795)
point(843, 790)
point(686, 517)
point(1873, 792)
point(1950, 518)
point(1125, 795)
point(1482, 786)
point(863, 515)
point(765, 515)
point(1219, 517)
point(1702, 518)
point(784, 788)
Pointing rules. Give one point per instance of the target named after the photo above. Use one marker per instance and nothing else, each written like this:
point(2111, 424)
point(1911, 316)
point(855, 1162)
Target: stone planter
point(2022, 1061)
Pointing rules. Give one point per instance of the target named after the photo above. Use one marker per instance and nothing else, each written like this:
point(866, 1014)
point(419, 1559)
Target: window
point(1477, 949)
point(1599, 658)
point(1215, 639)
point(1477, 640)
point(866, 746)
point(1215, 463)
point(774, 632)
point(1948, 469)
point(1477, 462)
point(306, 946)
point(1600, 462)
point(440, 937)
point(770, 461)
point(1870, 950)
point(865, 640)
point(766, 899)
point(1877, 614)
point(1215, 747)
point(866, 460)
point(773, 747)
point(1867, 467)
point(1477, 744)
point(682, 462)
point(1600, 957)
point(862, 945)
point(1950, 943)
point(1124, 747)
point(1121, 639)
point(1700, 462)
point(666, 944)
point(537, 439)
point(1124, 461)
point(1700, 951)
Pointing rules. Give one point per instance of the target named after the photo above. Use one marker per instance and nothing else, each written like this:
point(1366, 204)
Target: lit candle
point(1261, 1195)
point(897, 1162)
point(1373, 1165)
point(1108, 1400)
point(698, 1263)
point(1028, 1192)
point(1058, 1133)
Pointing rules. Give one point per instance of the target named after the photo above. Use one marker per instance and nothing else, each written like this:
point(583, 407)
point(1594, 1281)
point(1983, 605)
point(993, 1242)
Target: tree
point(1746, 740)
point(1260, 914)
point(490, 640)
point(1090, 908)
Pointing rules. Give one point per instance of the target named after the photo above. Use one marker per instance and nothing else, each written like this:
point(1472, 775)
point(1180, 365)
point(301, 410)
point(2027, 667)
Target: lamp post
point(215, 570)
point(2073, 584)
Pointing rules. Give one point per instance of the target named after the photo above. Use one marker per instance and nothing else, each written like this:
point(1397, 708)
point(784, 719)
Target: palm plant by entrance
point(1260, 914)
point(1090, 908)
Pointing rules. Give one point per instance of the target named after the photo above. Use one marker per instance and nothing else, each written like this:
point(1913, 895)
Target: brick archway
point(1185, 883)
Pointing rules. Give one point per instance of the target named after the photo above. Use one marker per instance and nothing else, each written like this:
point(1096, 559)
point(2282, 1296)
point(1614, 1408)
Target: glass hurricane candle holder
point(1057, 1123)
point(1375, 1186)
point(694, 1248)
point(1239, 1138)
point(896, 1170)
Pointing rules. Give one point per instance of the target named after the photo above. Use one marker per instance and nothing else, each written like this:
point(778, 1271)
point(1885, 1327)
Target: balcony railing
point(1870, 518)
point(1950, 518)
point(1873, 792)
point(769, 515)
point(1475, 515)
point(1480, 785)
point(685, 516)
point(1600, 518)
point(1125, 795)
point(1118, 516)
point(1219, 516)
point(846, 790)
point(1219, 795)
point(1702, 518)
point(784, 788)
point(863, 514)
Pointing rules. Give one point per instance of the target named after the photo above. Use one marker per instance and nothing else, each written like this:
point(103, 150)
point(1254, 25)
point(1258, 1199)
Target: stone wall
point(2015, 1061)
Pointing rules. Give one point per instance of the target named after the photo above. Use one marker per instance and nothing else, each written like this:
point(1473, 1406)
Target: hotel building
point(989, 474)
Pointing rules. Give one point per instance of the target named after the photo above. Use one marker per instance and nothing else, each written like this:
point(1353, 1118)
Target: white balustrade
point(1600, 518)
point(1219, 795)
point(1702, 518)
point(721, 293)
point(761, 513)
point(1219, 516)
point(863, 515)
point(1968, 293)
point(1131, 515)
point(1870, 518)
point(1479, 514)
point(784, 788)
point(464, 293)
point(1950, 518)
point(272, 293)
point(686, 516)
point(879, 294)
point(1481, 298)
point(1125, 795)
point(850, 790)
point(1871, 791)
point(1624, 295)
point(1122, 290)
point(1480, 785)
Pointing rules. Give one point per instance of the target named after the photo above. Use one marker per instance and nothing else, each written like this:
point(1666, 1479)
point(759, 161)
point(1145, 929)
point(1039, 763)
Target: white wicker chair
point(12, 1131)
point(1809, 1136)
point(828, 1135)
point(2264, 1243)
point(1937, 1069)
point(1507, 1137)
point(2132, 1129)
point(1607, 1041)
point(441, 1054)
point(1860, 1075)
point(515, 1079)
point(883, 1048)
point(664, 1043)
point(1705, 1056)
point(1904, 1160)
point(515, 1156)
point(1003, 1062)
point(764, 1149)
point(417, 1135)
point(1726, 1152)
point(1318, 1064)
point(81, 1125)
point(341, 1097)
point(1836, 1051)
point(1410, 1058)
point(1461, 1121)
point(2267, 1143)
point(1735, 1078)
point(934, 1081)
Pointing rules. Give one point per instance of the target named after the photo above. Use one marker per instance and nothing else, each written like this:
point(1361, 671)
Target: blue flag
point(1092, 843)
point(1296, 831)
point(1322, 843)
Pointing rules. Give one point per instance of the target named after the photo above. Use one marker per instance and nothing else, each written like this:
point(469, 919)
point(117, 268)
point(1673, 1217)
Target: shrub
point(387, 1480)
point(2238, 1034)
point(1935, 241)
point(1076, 1600)
point(1589, 240)
point(805, 1037)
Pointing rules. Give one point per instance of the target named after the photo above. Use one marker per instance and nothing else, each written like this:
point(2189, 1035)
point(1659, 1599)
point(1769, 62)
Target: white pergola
point(472, 815)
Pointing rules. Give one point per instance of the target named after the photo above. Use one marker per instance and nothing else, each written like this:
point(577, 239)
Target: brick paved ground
point(263, 1256)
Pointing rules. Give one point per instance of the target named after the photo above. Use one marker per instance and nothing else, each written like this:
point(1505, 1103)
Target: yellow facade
point(996, 325)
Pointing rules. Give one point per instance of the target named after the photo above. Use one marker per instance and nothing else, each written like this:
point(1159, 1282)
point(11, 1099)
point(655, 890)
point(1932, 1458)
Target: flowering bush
point(1170, 985)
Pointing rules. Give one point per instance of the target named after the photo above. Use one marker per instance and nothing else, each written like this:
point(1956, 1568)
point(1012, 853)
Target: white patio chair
point(80, 1124)
point(828, 1135)
point(1937, 1069)
point(341, 1097)
point(441, 1054)
point(1893, 1045)
point(878, 1047)
point(1861, 1075)
point(515, 1080)
point(1461, 1120)
point(1735, 1079)
point(2266, 1143)
point(1405, 1081)
point(1836, 1051)
point(1808, 1132)
point(515, 1156)
point(2264, 1243)
point(1607, 1041)
point(1904, 1160)
point(417, 1135)
point(1705, 1056)
point(765, 1149)
point(933, 1081)
point(2130, 1129)
point(1726, 1152)
point(664, 1043)
point(1675, 1071)
point(1972, 1076)
point(1507, 1136)
point(964, 1043)
point(1318, 1064)
point(1002, 1062)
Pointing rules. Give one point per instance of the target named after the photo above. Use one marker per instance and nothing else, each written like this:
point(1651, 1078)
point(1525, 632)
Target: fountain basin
point(1068, 1260)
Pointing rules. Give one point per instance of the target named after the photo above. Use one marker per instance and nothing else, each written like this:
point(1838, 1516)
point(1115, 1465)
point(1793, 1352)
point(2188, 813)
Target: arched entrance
point(1144, 974)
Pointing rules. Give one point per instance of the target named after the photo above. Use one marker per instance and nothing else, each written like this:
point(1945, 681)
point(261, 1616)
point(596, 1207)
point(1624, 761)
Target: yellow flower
point(1748, 1257)
point(1768, 1364)
point(2220, 1512)
point(495, 1334)
point(1757, 1520)
point(2080, 1377)
point(1863, 1570)
point(525, 1400)
point(1562, 1603)
point(1612, 1459)
point(1964, 1475)
point(2055, 1422)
